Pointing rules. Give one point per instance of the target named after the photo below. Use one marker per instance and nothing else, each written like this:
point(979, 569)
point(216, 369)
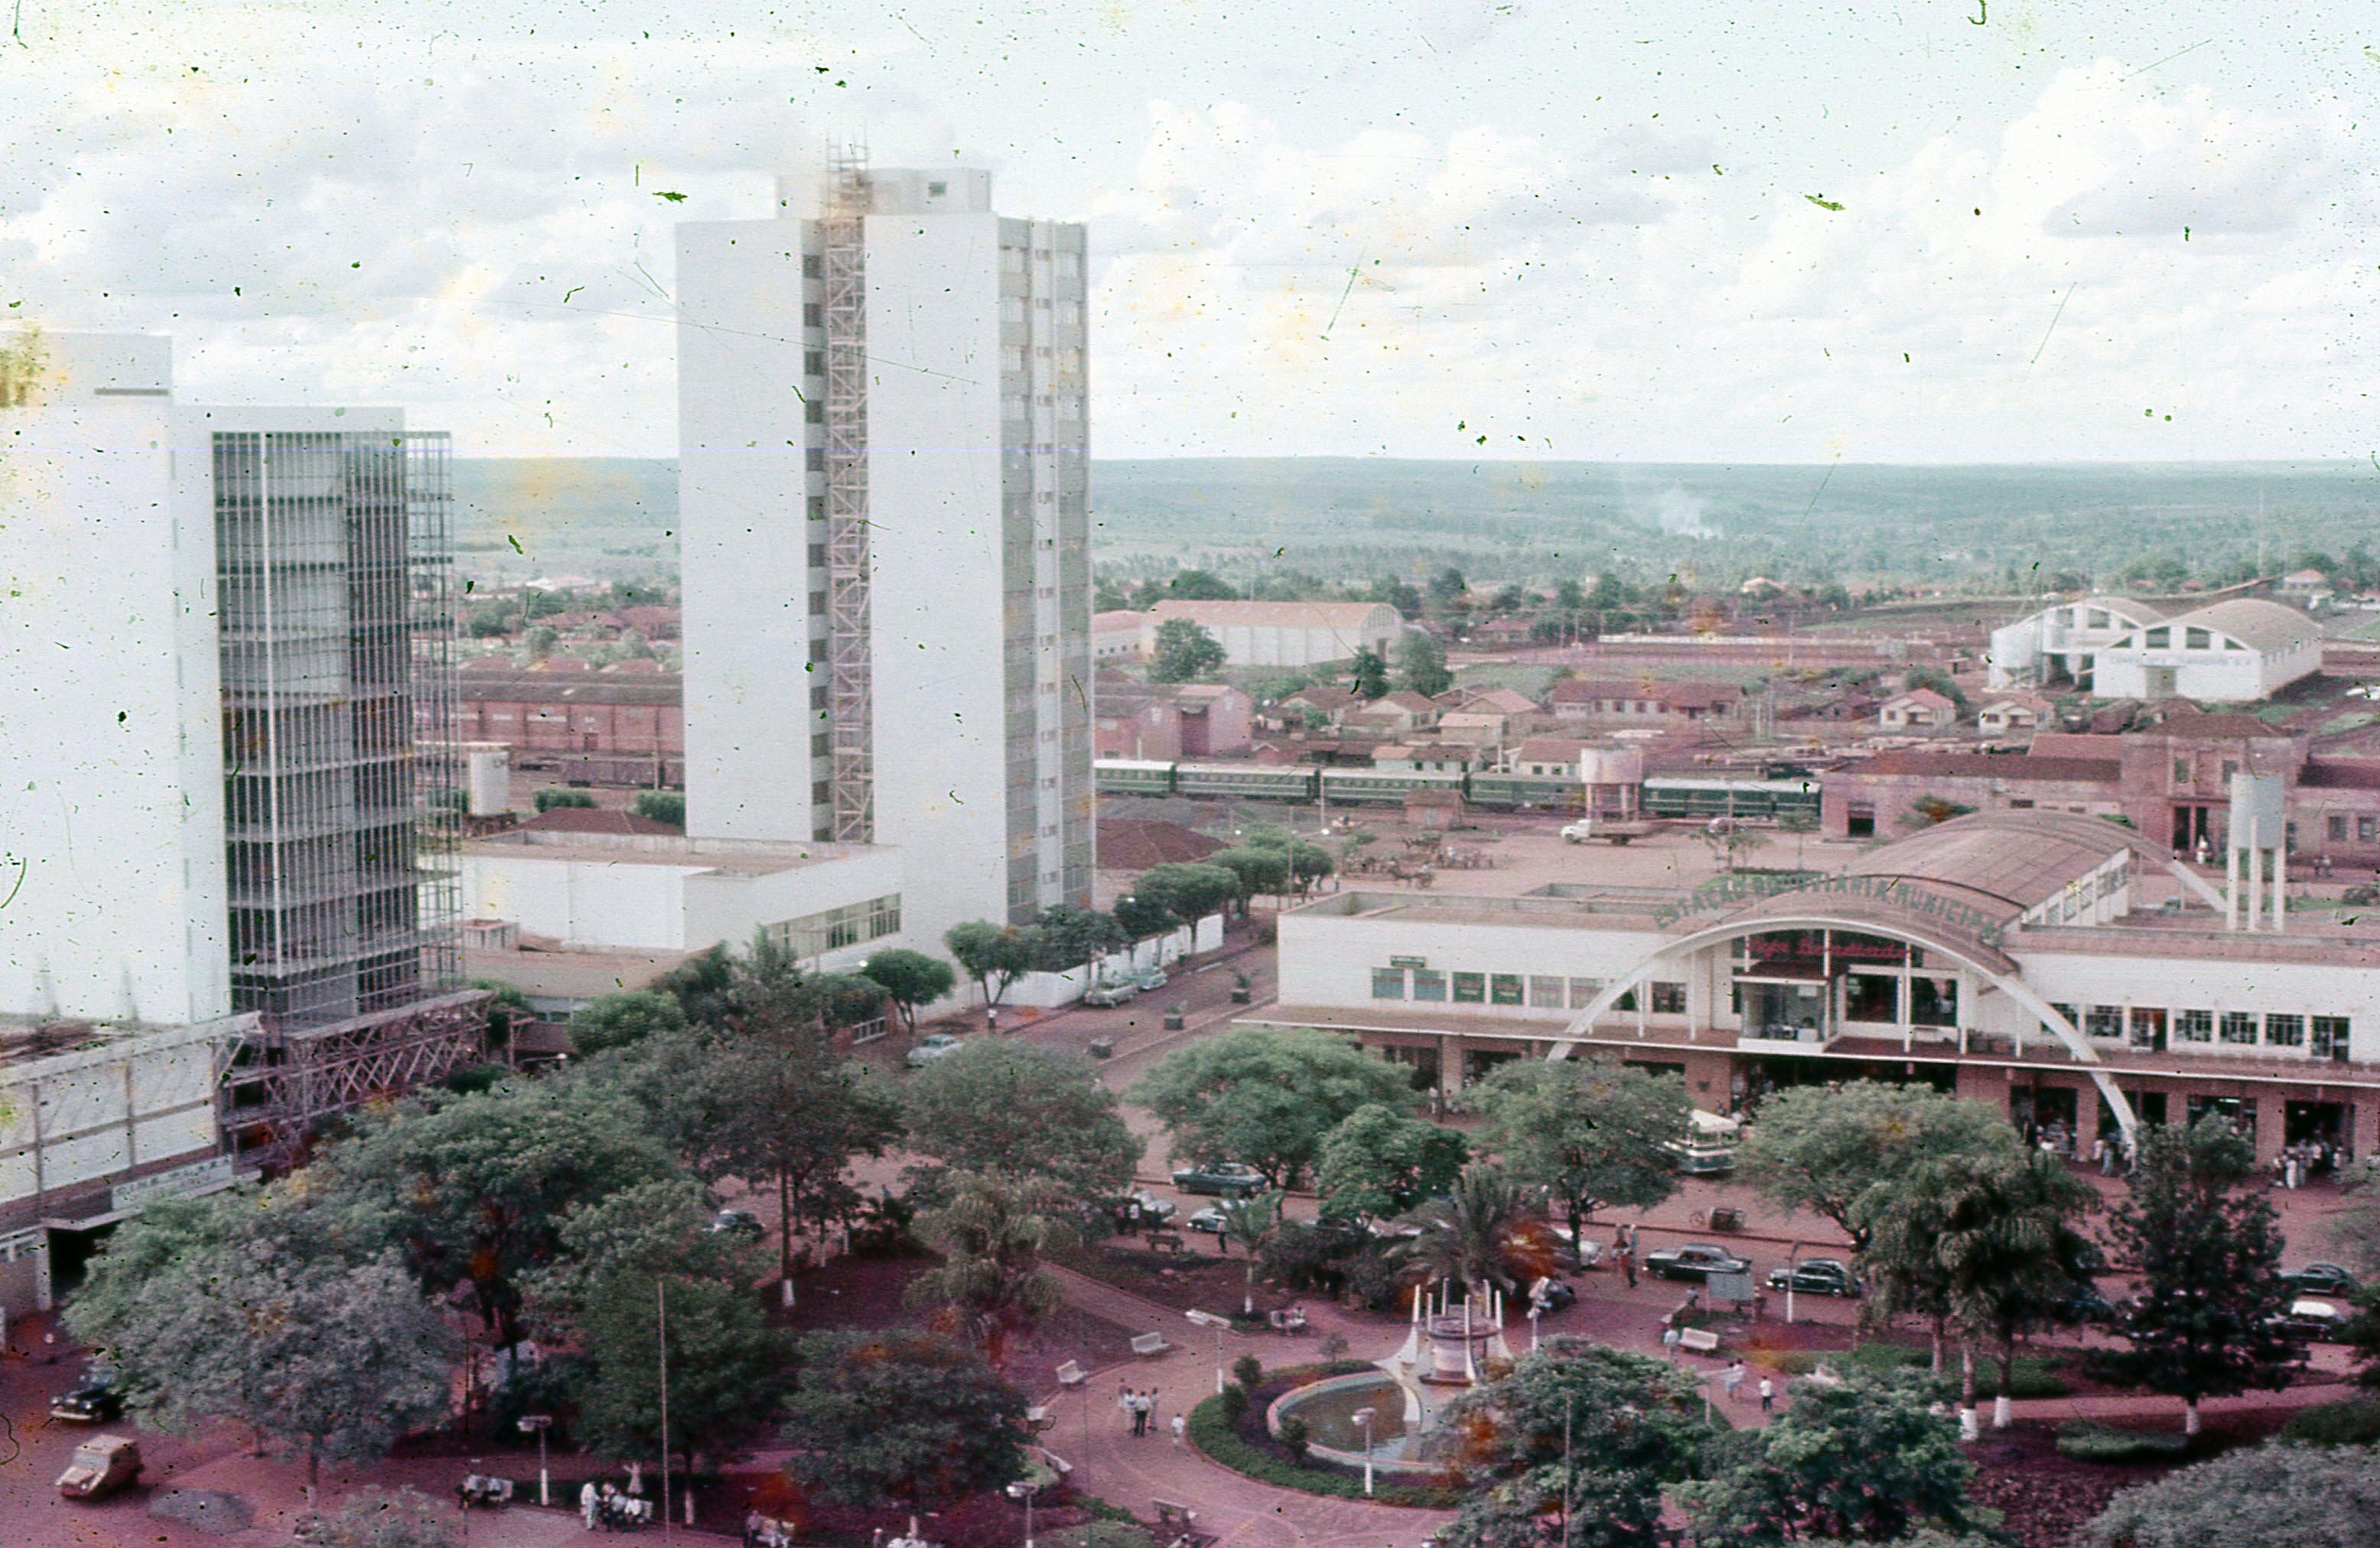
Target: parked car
point(1233, 1179)
point(1582, 1255)
point(1209, 1220)
point(1150, 980)
point(2308, 1321)
point(93, 1400)
point(1148, 1206)
point(1108, 994)
point(1695, 1259)
point(2321, 1279)
point(100, 1467)
point(933, 1046)
point(735, 1222)
point(2085, 1305)
point(1816, 1277)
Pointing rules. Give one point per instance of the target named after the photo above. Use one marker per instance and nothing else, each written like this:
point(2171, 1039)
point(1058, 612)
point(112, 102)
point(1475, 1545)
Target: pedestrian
point(1180, 1426)
point(2099, 1155)
point(751, 1529)
point(587, 1503)
point(1669, 1341)
point(1628, 1265)
point(1767, 1395)
point(1124, 1404)
point(1140, 1413)
point(1731, 1379)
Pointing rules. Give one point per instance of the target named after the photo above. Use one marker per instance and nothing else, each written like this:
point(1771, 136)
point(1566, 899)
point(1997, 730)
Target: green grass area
point(2087, 1440)
point(1099, 1534)
point(1213, 1435)
point(2035, 1376)
point(2355, 1422)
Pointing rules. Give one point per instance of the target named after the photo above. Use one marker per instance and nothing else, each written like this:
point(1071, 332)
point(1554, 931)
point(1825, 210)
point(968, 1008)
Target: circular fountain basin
point(1328, 1407)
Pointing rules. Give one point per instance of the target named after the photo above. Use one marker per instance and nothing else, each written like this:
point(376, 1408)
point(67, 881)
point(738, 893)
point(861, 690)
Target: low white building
point(2238, 651)
point(2059, 645)
point(1285, 633)
point(2009, 956)
point(96, 1121)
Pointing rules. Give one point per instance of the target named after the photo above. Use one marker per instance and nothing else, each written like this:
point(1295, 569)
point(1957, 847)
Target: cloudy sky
point(1786, 230)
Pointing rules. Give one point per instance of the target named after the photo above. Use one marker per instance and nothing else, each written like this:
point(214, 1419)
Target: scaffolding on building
point(843, 230)
point(334, 565)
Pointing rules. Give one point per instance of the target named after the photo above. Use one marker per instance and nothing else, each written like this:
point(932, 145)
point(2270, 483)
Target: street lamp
point(539, 1424)
point(1363, 1417)
point(1024, 1490)
point(1220, 1325)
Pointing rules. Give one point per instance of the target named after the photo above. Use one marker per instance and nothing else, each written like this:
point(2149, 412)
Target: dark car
point(2320, 1279)
point(2085, 1305)
point(1816, 1277)
point(2308, 1321)
point(736, 1222)
point(1231, 1179)
point(1695, 1259)
point(93, 1400)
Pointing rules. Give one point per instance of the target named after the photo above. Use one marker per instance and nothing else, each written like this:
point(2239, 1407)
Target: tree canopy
point(1378, 1161)
point(909, 980)
point(1824, 1148)
point(1590, 1135)
point(1019, 1109)
point(1265, 1096)
point(995, 956)
point(994, 1232)
point(1183, 653)
point(725, 1366)
point(628, 1016)
point(900, 1415)
point(2305, 1496)
point(1421, 663)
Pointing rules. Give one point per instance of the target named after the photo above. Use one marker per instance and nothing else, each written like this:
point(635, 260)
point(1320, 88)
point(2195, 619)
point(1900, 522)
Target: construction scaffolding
point(334, 568)
point(843, 229)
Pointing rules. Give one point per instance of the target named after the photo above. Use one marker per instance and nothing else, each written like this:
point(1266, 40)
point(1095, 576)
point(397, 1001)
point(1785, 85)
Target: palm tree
point(1250, 1221)
point(993, 1232)
point(1487, 1231)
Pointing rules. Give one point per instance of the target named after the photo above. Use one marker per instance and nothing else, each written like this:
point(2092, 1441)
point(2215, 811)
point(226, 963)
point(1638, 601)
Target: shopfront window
point(1428, 984)
point(1388, 983)
point(1470, 988)
point(2240, 1027)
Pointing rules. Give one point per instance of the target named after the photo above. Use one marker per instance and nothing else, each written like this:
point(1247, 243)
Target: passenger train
point(1757, 800)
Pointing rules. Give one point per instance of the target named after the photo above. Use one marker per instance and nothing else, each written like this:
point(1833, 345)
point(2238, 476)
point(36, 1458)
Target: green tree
point(661, 806)
point(628, 1016)
point(1867, 1459)
point(1258, 870)
point(994, 1232)
point(2306, 1496)
point(1421, 663)
point(1251, 1221)
point(548, 797)
point(995, 956)
point(376, 1518)
point(1183, 653)
point(1265, 1096)
point(1018, 1110)
point(909, 980)
point(1140, 917)
point(725, 1366)
point(1447, 591)
point(1608, 1430)
point(541, 639)
point(1199, 585)
point(1396, 593)
point(651, 1229)
point(1379, 1162)
point(2209, 1249)
point(1823, 1149)
point(1071, 937)
point(901, 1416)
point(1591, 1135)
point(1371, 680)
point(1190, 892)
point(1483, 1232)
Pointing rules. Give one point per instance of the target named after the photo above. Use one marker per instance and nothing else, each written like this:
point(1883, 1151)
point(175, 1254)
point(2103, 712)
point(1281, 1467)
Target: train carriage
point(1353, 786)
point(1132, 777)
point(1247, 781)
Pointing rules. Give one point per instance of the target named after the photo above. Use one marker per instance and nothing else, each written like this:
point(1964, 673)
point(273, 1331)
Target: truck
point(1612, 831)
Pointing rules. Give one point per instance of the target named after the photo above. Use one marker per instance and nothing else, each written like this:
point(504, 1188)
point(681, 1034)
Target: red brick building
point(601, 728)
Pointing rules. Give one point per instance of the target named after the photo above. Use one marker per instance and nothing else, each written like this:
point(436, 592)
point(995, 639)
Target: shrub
point(2355, 1422)
point(2087, 1440)
point(556, 795)
point(1213, 1435)
point(1247, 1371)
point(1235, 1402)
point(2036, 1376)
point(1294, 1436)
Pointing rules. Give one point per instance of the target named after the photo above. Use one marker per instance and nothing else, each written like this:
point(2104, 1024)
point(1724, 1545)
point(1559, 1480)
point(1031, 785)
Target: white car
point(933, 1046)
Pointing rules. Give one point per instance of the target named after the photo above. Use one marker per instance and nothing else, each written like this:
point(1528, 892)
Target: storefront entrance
point(2314, 1123)
point(2044, 1115)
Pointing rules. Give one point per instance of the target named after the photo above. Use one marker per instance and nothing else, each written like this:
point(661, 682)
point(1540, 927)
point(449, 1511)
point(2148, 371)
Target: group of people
point(1624, 1251)
point(2300, 1163)
point(1139, 1409)
point(611, 1508)
point(762, 1531)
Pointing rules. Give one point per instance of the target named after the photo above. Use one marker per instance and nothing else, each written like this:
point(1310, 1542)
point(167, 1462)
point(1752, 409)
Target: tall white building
point(884, 530)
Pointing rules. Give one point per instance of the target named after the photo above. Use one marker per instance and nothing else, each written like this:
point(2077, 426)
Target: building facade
point(884, 507)
point(603, 728)
point(2012, 957)
point(1285, 633)
point(2241, 650)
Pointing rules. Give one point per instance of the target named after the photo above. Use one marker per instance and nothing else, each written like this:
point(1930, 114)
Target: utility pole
point(661, 1304)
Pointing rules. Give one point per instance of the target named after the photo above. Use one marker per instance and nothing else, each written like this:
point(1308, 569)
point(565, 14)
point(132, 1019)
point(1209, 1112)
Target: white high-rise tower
point(884, 533)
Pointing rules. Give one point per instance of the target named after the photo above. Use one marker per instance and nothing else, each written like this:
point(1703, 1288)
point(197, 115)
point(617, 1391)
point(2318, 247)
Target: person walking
point(1767, 1395)
point(1628, 1265)
point(1180, 1427)
point(1125, 1403)
point(1141, 1403)
point(1670, 1337)
point(587, 1503)
point(1731, 1379)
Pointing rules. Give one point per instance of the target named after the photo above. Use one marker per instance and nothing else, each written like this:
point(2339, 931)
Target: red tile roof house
point(1918, 709)
point(1581, 701)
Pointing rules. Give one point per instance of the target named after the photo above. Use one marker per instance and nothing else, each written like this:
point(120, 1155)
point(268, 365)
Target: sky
point(1673, 231)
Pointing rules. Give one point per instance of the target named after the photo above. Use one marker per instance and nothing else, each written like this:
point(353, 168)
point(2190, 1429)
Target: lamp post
point(1208, 1319)
point(1024, 1490)
point(539, 1423)
point(1363, 1417)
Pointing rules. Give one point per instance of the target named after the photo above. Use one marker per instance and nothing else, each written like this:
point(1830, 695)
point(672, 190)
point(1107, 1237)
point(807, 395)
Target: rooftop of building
point(27, 1041)
point(530, 685)
point(1276, 615)
point(1136, 843)
point(553, 974)
point(2254, 622)
point(754, 857)
point(591, 819)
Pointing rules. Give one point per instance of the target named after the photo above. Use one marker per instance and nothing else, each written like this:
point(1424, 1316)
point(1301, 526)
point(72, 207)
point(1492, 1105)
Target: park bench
point(1072, 1374)
point(1039, 1417)
point(1168, 1242)
point(480, 1490)
point(1056, 1463)
point(1701, 1340)
point(1182, 1522)
point(1289, 1320)
point(1150, 1344)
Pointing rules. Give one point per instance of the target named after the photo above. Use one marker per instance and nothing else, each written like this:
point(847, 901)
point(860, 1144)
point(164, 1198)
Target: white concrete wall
point(1326, 959)
point(111, 769)
point(2214, 676)
point(138, 1099)
point(2178, 983)
point(581, 901)
point(934, 497)
point(724, 906)
point(744, 533)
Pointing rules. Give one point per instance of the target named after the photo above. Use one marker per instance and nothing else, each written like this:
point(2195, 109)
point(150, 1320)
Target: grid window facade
point(1429, 983)
point(2330, 1038)
point(1470, 988)
point(2195, 1026)
point(1504, 988)
point(814, 934)
point(2239, 1026)
point(1388, 983)
point(1668, 999)
point(2283, 1031)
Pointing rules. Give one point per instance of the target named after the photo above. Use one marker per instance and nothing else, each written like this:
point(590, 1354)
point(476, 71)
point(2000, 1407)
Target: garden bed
point(1193, 1280)
point(1248, 1449)
point(2046, 1497)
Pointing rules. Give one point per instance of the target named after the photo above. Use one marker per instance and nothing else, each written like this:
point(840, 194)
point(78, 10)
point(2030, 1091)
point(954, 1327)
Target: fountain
point(1450, 1344)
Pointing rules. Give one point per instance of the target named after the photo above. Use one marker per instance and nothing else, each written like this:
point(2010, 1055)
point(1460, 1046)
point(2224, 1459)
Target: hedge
point(1213, 1435)
point(2088, 1441)
point(2036, 1376)
point(2355, 1422)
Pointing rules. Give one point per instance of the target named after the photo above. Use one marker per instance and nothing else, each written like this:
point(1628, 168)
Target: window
point(821, 792)
point(2099, 619)
point(815, 411)
point(936, 190)
point(2239, 1026)
point(822, 744)
point(813, 266)
point(2284, 1032)
point(1545, 993)
point(2367, 830)
point(1669, 999)
point(814, 459)
point(2067, 1011)
point(2330, 1038)
point(1582, 992)
point(2195, 1026)
point(2230, 770)
point(1428, 984)
point(2195, 639)
point(2334, 828)
point(817, 604)
point(818, 556)
point(1470, 988)
point(813, 315)
point(1504, 988)
point(2181, 771)
point(814, 362)
point(817, 507)
point(1388, 983)
point(2158, 638)
point(2104, 1021)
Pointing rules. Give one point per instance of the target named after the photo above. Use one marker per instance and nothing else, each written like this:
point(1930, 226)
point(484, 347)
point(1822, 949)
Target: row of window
point(2324, 1036)
point(1538, 991)
point(2367, 828)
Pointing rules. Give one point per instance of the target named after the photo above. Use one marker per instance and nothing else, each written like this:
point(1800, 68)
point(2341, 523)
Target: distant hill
point(1342, 517)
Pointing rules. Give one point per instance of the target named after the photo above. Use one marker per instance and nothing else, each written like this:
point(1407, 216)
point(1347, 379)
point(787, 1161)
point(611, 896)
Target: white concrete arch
point(2007, 983)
